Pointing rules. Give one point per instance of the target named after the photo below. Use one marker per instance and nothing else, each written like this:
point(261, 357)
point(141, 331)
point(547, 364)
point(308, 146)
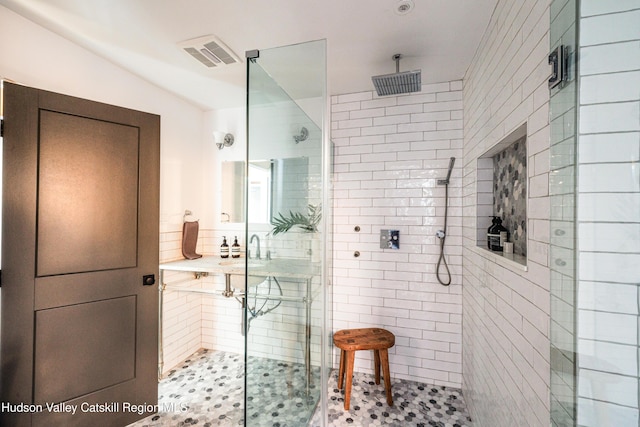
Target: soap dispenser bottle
point(235, 248)
point(224, 248)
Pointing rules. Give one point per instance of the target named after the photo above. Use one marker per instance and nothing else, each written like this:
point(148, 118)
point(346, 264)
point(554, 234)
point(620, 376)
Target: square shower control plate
point(390, 239)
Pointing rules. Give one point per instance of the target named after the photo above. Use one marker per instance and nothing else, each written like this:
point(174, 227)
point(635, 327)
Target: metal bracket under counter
point(206, 265)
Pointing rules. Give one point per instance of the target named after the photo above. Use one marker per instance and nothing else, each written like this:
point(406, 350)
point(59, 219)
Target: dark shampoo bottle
point(493, 234)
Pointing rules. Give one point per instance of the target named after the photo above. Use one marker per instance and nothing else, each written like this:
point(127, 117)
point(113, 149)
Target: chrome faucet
point(255, 236)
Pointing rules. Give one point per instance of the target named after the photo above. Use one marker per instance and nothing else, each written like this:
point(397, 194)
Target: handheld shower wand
point(442, 234)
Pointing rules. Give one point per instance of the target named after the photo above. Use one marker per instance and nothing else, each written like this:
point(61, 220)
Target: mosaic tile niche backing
point(510, 192)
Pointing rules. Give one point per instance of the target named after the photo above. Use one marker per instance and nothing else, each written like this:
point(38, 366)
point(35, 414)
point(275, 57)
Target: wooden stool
point(351, 340)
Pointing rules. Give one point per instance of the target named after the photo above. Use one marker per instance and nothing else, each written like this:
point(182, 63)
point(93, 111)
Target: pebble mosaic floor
point(207, 390)
point(414, 404)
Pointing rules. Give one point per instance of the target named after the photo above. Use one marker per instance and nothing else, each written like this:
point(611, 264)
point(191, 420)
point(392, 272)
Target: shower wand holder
point(445, 181)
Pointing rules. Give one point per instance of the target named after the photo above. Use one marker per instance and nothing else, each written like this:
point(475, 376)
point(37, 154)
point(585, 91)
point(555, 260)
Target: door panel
point(92, 404)
point(87, 199)
point(92, 342)
point(80, 230)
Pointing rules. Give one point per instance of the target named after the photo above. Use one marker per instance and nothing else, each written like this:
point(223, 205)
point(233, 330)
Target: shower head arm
point(396, 58)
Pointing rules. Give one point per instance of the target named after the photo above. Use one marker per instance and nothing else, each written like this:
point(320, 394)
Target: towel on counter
point(190, 239)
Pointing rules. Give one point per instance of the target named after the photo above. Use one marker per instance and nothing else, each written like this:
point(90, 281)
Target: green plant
point(308, 223)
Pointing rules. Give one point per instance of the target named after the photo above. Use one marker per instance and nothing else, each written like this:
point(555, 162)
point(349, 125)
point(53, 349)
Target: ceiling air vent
point(209, 51)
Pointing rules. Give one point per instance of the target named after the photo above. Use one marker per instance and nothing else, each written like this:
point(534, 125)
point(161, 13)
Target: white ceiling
point(438, 36)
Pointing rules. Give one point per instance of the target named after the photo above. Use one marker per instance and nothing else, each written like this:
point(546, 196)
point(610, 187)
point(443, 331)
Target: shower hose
point(442, 236)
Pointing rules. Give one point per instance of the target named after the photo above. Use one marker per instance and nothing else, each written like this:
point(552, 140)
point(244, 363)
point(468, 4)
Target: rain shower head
point(398, 83)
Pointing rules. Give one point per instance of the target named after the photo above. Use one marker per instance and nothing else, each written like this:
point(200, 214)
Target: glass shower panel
point(286, 305)
point(608, 216)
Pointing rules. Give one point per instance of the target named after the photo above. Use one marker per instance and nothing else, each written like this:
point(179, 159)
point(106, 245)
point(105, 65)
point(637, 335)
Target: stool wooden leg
point(384, 360)
point(347, 388)
point(341, 370)
point(376, 364)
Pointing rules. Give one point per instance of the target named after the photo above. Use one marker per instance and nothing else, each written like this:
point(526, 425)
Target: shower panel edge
point(563, 102)
point(327, 249)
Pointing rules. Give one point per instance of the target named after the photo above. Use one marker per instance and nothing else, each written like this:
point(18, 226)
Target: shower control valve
point(389, 239)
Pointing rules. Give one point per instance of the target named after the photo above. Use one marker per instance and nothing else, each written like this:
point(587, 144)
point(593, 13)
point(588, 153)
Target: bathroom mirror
point(269, 182)
point(233, 192)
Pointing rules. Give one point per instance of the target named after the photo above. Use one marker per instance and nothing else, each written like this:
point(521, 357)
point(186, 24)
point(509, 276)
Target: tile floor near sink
point(207, 390)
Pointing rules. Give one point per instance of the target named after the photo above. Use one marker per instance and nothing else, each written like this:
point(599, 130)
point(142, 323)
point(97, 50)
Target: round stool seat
point(351, 340)
point(363, 339)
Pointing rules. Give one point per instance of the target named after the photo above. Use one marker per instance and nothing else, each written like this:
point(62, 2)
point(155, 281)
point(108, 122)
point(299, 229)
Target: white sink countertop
point(279, 267)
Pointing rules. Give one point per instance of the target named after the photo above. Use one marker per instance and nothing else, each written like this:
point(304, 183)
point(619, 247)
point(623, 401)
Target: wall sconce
point(304, 134)
point(223, 141)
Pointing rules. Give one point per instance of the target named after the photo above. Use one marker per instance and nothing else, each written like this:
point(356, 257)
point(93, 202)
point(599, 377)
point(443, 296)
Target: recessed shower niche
point(502, 192)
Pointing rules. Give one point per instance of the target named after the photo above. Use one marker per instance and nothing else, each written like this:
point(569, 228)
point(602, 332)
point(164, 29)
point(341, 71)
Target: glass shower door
point(594, 188)
point(285, 305)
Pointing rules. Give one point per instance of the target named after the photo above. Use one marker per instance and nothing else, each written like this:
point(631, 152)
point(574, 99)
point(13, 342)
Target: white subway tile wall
point(608, 213)
point(389, 153)
point(193, 321)
point(221, 317)
point(505, 341)
point(182, 312)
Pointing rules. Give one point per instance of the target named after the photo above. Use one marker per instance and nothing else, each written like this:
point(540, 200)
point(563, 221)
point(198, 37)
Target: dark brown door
point(79, 235)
